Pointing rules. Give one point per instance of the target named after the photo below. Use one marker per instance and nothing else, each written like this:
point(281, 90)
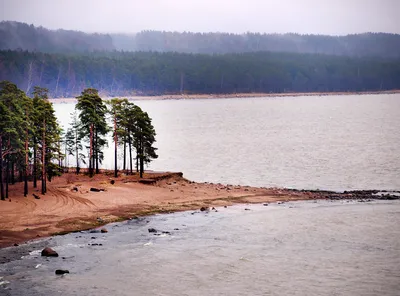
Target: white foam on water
point(2, 283)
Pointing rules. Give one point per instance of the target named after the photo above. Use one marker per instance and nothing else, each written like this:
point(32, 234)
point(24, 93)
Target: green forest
point(162, 63)
point(153, 73)
point(33, 146)
point(21, 36)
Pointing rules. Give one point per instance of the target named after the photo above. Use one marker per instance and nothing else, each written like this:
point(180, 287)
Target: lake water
point(315, 142)
point(298, 248)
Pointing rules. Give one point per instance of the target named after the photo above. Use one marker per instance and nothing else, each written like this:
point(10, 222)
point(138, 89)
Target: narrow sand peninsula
point(71, 205)
point(238, 95)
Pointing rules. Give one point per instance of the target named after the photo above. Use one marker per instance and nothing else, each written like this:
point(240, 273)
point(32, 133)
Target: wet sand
point(70, 205)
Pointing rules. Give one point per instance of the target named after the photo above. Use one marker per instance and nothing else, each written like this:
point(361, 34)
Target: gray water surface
point(297, 248)
point(326, 142)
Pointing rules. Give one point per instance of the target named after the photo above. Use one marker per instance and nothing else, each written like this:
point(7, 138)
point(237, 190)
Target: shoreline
point(231, 96)
point(70, 205)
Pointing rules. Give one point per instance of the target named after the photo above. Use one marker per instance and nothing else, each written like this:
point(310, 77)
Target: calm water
point(330, 142)
point(298, 248)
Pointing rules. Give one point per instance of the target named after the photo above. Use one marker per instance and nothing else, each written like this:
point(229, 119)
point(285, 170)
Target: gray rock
point(61, 271)
point(49, 252)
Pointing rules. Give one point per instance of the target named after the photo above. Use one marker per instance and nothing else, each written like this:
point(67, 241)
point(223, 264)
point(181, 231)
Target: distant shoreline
point(232, 96)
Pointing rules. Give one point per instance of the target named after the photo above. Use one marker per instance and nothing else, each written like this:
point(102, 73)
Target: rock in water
point(152, 230)
point(49, 252)
point(103, 230)
point(62, 271)
point(203, 209)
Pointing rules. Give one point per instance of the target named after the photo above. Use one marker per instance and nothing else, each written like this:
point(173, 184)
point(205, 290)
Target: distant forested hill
point(151, 73)
point(20, 36)
point(359, 45)
point(14, 35)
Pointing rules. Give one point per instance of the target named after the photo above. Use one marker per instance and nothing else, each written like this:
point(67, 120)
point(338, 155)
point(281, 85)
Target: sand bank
point(70, 205)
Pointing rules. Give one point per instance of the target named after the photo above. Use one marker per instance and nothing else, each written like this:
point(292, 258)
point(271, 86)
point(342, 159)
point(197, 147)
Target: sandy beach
point(227, 96)
point(70, 205)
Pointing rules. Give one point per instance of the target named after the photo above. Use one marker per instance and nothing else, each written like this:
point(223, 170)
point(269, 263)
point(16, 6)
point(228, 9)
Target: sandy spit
point(70, 205)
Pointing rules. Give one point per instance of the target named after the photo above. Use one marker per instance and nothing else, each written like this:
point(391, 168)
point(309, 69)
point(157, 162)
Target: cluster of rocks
point(159, 232)
point(49, 252)
point(352, 194)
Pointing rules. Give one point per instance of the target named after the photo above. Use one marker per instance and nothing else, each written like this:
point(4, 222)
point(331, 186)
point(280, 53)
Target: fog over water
point(333, 17)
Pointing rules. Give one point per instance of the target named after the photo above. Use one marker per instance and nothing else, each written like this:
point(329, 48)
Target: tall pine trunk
point(7, 175)
point(26, 165)
point(91, 151)
point(130, 153)
point(141, 156)
point(34, 164)
point(97, 152)
point(137, 155)
point(59, 156)
point(1, 170)
point(12, 173)
point(44, 157)
point(116, 145)
point(124, 166)
point(77, 152)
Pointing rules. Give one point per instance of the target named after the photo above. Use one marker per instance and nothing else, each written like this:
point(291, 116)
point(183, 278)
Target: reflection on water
point(298, 248)
point(330, 142)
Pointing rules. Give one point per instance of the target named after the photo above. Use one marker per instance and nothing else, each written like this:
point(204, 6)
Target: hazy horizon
point(127, 17)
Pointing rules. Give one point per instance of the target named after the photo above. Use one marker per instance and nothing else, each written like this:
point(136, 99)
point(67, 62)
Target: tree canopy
point(21, 36)
point(31, 139)
point(149, 73)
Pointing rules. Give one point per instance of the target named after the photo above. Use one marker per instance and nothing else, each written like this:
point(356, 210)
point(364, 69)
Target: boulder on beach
point(103, 230)
point(204, 209)
point(49, 252)
point(96, 189)
point(61, 271)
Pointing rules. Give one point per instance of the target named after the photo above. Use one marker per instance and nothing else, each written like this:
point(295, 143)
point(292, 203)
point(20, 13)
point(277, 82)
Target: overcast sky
point(333, 17)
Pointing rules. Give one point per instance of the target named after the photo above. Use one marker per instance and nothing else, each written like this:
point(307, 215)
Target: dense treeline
point(32, 142)
point(29, 136)
point(357, 45)
point(123, 73)
point(21, 36)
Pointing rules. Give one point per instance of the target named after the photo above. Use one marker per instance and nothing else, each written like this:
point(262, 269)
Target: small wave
point(35, 252)
point(3, 283)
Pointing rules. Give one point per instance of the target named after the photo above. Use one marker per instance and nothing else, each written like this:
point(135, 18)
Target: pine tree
point(117, 108)
point(11, 127)
point(93, 125)
point(73, 142)
point(48, 135)
point(144, 138)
